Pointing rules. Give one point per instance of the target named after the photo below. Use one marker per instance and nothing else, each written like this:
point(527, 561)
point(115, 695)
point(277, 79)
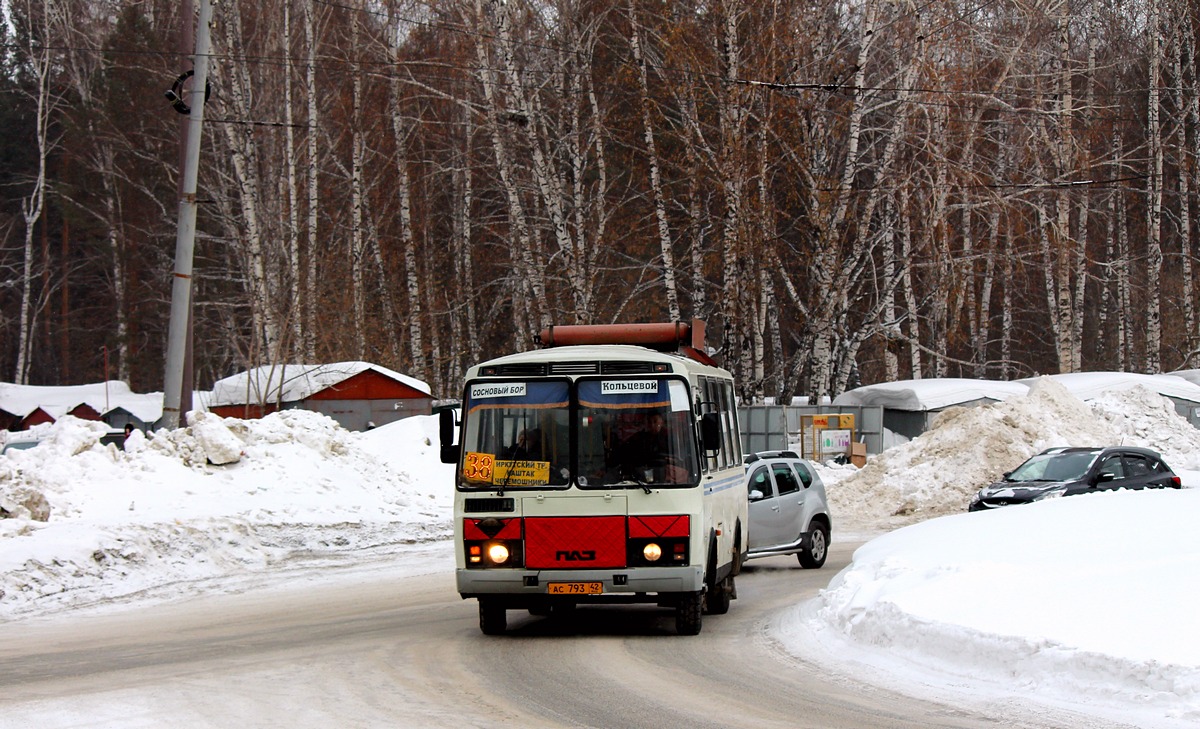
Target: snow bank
point(89, 522)
point(1050, 599)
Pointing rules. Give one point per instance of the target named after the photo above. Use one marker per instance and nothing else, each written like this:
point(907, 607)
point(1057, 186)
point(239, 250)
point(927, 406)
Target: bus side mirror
point(710, 432)
point(446, 436)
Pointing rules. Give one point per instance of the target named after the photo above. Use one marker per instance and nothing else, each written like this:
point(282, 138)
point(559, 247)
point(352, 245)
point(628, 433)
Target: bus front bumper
point(642, 584)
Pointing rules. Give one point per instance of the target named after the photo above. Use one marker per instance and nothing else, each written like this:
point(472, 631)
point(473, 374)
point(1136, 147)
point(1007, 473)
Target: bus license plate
point(575, 588)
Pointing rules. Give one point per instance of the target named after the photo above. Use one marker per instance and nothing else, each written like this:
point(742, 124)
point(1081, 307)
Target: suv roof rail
point(751, 458)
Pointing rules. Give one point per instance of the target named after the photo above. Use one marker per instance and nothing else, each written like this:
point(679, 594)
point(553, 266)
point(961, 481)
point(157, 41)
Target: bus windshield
point(518, 434)
point(637, 431)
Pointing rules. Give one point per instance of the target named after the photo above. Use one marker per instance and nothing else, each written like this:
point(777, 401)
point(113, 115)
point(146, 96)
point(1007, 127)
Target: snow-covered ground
point(1086, 601)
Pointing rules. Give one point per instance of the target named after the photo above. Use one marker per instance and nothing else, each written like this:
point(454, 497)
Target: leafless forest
point(845, 191)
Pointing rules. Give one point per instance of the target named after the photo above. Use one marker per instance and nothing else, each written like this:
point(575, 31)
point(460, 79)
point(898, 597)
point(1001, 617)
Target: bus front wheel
point(688, 613)
point(493, 618)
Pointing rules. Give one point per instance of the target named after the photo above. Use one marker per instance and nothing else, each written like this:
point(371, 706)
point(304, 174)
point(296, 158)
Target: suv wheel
point(813, 556)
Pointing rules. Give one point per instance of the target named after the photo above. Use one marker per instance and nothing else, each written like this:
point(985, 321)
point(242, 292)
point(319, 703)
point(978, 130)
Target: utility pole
point(185, 241)
point(187, 41)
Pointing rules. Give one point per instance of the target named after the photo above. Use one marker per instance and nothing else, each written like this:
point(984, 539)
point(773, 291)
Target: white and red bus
point(605, 467)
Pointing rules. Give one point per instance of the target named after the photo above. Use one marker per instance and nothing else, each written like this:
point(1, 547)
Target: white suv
point(788, 510)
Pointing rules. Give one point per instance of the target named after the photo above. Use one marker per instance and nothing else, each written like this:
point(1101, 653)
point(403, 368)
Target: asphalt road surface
point(407, 652)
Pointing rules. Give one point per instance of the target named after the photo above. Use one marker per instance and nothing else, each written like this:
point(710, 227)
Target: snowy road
point(372, 648)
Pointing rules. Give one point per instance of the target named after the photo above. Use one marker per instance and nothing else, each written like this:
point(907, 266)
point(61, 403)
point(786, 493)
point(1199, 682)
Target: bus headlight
point(497, 553)
point(652, 552)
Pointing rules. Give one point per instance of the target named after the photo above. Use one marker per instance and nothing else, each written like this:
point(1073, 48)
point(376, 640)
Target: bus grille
point(628, 368)
point(528, 369)
point(574, 368)
point(480, 506)
point(575, 542)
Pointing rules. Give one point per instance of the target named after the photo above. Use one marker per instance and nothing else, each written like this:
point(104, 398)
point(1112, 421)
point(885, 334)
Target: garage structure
point(358, 395)
point(24, 406)
point(910, 406)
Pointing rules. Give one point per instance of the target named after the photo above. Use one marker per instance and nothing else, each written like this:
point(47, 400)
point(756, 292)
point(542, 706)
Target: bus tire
point(739, 556)
point(493, 618)
point(716, 601)
point(688, 619)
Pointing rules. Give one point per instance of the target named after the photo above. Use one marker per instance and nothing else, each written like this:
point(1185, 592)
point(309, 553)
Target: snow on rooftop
point(930, 394)
point(21, 400)
point(936, 394)
point(295, 382)
point(1090, 385)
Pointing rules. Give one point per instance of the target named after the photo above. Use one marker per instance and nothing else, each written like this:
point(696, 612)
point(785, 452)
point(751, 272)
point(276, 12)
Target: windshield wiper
point(645, 486)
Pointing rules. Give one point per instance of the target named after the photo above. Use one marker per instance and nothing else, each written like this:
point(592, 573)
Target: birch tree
point(35, 23)
point(1154, 255)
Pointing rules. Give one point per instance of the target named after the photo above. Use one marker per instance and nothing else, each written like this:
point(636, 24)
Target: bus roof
point(598, 352)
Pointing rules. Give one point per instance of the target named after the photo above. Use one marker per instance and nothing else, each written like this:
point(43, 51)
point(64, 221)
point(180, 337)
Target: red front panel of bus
point(574, 542)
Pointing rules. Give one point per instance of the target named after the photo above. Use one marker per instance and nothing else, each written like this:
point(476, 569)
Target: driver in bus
point(526, 448)
point(648, 449)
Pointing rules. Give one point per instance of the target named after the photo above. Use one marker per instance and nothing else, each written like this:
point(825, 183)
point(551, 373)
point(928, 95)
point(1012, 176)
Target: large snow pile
point(969, 447)
point(223, 495)
point(959, 604)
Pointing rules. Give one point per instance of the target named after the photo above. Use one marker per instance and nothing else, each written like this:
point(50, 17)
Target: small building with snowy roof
point(24, 406)
point(358, 395)
point(1177, 387)
point(909, 406)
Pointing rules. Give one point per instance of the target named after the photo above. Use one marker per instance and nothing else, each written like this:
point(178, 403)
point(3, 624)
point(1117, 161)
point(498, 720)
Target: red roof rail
point(684, 337)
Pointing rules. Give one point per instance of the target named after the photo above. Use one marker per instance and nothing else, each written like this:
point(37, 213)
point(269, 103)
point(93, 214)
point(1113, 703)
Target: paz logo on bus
point(575, 555)
point(628, 387)
point(500, 389)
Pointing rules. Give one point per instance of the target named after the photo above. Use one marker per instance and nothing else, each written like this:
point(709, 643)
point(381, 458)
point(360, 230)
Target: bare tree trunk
point(732, 114)
point(244, 152)
point(1121, 267)
point(116, 246)
point(910, 294)
point(295, 295)
point(357, 160)
point(1184, 60)
point(984, 327)
point(1154, 256)
point(1189, 162)
point(528, 270)
point(827, 263)
point(37, 56)
point(1069, 359)
point(1006, 311)
point(660, 203)
point(408, 241)
point(311, 296)
point(888, 323)
point(468, 329)
point(548, 181)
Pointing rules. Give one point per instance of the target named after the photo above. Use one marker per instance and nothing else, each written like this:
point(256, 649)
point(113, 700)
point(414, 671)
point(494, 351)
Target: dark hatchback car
point(1068, 471)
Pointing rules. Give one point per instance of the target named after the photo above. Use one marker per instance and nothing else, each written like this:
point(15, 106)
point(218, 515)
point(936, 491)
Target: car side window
point(1112, 467)
point(785, 478)
point(760, 481)
point(1136, 465)
point(805, 476)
